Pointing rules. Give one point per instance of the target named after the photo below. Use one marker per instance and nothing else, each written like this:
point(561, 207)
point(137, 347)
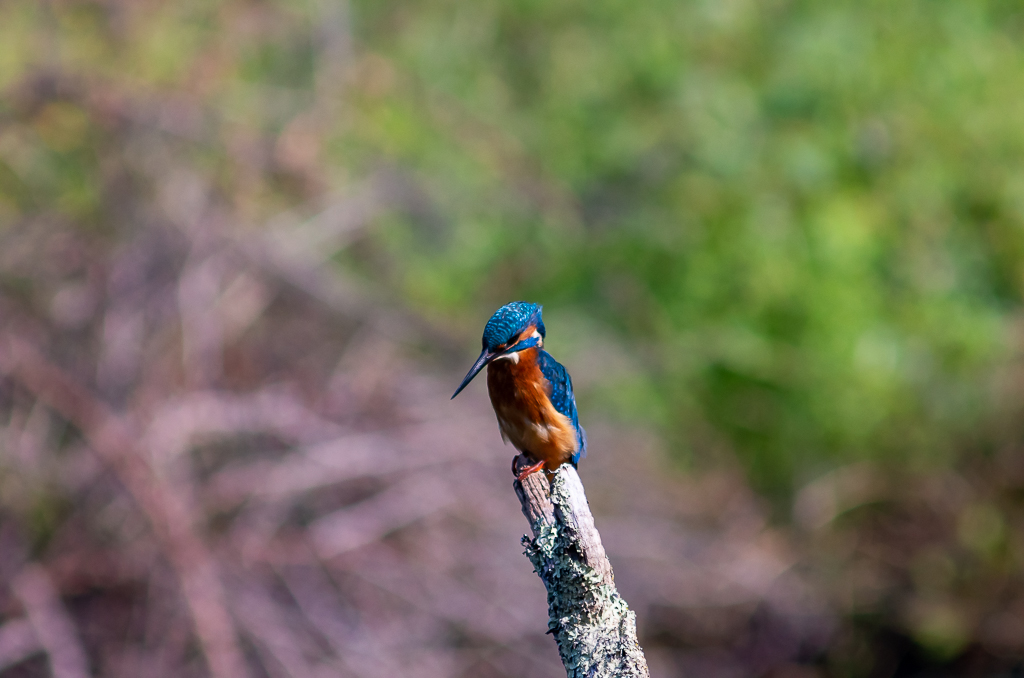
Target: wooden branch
point(18, 642)
point(594, 628)
point(115, 443)
point(50, 622)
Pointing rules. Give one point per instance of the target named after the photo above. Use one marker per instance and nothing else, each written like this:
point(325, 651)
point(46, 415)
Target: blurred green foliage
point(805, 221)
point(805, 217)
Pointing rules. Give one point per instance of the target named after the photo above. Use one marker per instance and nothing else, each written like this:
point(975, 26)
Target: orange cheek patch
point(526, 334)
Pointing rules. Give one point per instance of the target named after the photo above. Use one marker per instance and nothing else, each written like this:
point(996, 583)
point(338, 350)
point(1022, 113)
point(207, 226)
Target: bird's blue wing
point(563, 399)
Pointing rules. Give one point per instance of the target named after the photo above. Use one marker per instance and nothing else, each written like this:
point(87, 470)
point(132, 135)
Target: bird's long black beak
point(485, 357)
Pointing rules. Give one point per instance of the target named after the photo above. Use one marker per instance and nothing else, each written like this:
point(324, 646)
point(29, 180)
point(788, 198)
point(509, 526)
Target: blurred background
point(247, 249)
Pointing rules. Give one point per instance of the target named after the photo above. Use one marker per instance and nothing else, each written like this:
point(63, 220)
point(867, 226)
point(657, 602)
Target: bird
point(530, 391)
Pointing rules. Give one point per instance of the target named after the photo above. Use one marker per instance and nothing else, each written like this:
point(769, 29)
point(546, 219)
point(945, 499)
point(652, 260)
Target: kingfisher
point(530, 391)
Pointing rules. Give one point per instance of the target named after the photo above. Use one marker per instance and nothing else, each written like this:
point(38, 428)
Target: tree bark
point(594, 628)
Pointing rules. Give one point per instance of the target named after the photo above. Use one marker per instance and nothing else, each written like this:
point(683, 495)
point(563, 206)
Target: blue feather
point(563, 399)
point(509, 320)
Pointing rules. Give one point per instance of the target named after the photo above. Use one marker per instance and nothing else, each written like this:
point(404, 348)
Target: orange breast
point(520, 397)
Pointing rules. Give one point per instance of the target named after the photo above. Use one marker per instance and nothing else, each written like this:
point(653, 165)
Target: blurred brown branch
point(114, 442)
point(17, 642)
point(49, 621)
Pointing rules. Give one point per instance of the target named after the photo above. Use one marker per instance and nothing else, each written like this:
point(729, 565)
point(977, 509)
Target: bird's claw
point(521, 474)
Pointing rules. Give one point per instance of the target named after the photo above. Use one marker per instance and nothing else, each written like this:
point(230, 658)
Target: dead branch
point(594, 628)
point(50, 623)
point(18, 642)
point(372, 519)
point(113, 441)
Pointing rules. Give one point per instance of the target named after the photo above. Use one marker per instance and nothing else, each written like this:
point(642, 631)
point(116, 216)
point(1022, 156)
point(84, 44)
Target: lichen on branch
point(592, 624)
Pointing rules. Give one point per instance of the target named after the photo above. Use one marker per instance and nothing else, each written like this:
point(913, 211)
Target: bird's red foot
point(526, 471)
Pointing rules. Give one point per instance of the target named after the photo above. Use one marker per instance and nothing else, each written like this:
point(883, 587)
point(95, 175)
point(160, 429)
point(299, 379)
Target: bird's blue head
point(514, 327)
point(509, 322)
